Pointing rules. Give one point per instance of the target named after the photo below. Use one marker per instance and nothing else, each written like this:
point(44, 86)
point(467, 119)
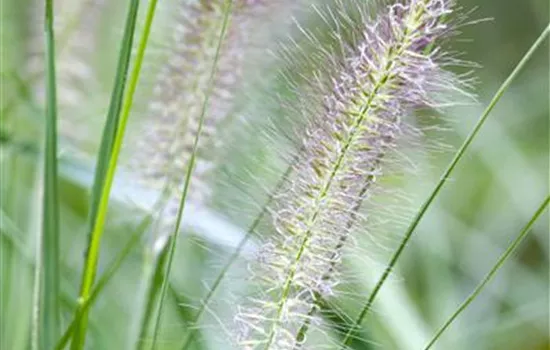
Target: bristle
point(162, 153)
point(395, 68)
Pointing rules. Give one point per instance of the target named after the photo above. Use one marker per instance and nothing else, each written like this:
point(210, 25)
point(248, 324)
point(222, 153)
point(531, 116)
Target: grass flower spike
point(394, 69)
point(169, 131)
point(273, 174)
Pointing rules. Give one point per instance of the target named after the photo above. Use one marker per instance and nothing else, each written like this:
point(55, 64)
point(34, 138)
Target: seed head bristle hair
point(162, 152)
point(393, 67)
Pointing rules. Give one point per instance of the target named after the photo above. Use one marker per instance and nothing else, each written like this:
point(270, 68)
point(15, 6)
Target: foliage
point(245, 171)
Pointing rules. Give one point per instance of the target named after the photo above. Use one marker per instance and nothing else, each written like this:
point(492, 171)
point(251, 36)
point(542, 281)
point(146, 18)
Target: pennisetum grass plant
point(193, 98)
point(199, 79)
point(358, 104)
point(443, 179)
point(395, 67)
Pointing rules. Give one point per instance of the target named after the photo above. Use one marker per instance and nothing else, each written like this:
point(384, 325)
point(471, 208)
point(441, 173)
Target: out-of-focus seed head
point(162, 152)
point(77, 27)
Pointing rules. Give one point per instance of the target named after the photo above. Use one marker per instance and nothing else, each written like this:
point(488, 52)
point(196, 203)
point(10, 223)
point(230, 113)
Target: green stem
point(110, 271)
point(99, 218)
point(50, 311)
point(442, 181)
point(152, 279)
point(239, 248)
point(173, 242)
point(491, 273)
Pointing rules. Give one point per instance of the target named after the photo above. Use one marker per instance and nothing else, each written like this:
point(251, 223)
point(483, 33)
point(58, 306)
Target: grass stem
point(511, 248)
point(181, 207)
point(49, 297)
point(424, 208)
point(112, 145)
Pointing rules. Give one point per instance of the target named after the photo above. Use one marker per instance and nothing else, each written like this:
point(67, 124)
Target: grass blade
point(50, 311)
point(110, 271)
point(173, 242)
point(442, 180)
point(491, 273)
point(238, 250)
point(36, 295)
point(155, 277)
point(108, 157)
point(104, 280)
point(113, 114)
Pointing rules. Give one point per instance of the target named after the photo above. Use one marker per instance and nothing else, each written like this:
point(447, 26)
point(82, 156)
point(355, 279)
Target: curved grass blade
point(48, 279)
point(108, 157)
point(112, 269)
point(491, 273)
point(156, 277)
point(102, 282)
point(173, 241)
point(190, 337)
point(500, 92)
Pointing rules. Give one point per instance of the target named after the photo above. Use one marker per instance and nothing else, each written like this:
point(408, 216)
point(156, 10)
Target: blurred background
point(492, 194)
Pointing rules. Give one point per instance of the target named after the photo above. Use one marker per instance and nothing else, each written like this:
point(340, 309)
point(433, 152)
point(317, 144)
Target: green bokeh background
point(492, 194)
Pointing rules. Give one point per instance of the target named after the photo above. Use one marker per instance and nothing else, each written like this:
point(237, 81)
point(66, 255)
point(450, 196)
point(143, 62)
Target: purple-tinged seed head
point(393, 70)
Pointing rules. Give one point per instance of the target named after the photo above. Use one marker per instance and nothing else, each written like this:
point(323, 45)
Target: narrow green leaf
point(154, 287)
point(49, 313)
point(233, 258)
point(173, 243)
point(515, 243)
point(442, 181)
point(11, 236)
point(108, 157)
point(104, 280)
point(113, 114)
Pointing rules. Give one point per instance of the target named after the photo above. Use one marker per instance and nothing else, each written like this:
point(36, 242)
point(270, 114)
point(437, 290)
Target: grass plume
point(280, 154)
point(387, 75)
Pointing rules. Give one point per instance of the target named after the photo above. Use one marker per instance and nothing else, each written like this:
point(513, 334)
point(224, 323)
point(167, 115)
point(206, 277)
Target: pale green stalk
point(442, 181)
point(511, 248)
point(173, 241)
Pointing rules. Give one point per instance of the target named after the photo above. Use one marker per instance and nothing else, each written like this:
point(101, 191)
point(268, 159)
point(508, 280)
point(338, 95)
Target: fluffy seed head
point(162, 153)
point(395, 68)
